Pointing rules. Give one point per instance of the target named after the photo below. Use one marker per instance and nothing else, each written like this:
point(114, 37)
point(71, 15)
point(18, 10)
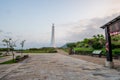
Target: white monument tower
point(53, 36)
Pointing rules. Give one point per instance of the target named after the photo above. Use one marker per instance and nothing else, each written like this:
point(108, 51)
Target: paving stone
point(59, 67)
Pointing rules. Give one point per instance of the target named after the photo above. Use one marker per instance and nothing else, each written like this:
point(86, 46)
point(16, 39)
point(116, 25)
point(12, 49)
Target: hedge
point(88, 51)
point(83, 51)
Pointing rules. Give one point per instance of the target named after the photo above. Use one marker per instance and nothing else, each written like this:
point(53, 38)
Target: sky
point(74, 20)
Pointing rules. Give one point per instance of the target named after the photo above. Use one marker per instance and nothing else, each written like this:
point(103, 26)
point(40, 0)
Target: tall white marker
point(53, 36)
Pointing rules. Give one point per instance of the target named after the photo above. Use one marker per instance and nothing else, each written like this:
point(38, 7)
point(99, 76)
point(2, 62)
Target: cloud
point(73, 31)
point(113, 7)
point(82, 29)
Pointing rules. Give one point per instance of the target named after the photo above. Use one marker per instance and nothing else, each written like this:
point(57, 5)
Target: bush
point(114, 46)
point(103, 52)
point(115, 52)
point(8, 62)
point(0, 53)
point(40, 50)
point(5, 49)
point(71, 45)
point(25, 56)
point(54, 51)
point(88, 51)
point(65, 49)
point(83, 51)
point(19, 58)
point(97, 45)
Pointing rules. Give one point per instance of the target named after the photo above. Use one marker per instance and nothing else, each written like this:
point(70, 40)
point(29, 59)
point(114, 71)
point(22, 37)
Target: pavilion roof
point(111, 22)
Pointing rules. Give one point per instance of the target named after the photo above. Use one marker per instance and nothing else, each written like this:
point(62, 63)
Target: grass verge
point(8, 62)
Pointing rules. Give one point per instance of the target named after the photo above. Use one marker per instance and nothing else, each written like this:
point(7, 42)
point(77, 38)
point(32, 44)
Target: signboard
point(115, 28)
point(111, 28)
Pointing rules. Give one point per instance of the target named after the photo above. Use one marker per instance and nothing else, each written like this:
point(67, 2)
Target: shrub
point(53, 51)
point(65, 49)
point(19, 58)
point(83, 51)
point(114, 46)
point(0, 53)
point(115, 52)
point(41, 50)
point(97, 45)
point(5, 49)
point(8, 62)
point(26, 56)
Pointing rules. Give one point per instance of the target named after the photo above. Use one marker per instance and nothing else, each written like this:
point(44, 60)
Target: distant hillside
point(64, 46)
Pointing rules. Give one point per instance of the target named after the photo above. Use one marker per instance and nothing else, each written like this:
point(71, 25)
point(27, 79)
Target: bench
point(97, 52)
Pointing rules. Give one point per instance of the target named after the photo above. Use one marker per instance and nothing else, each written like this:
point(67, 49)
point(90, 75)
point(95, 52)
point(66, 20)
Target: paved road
point(59, 67)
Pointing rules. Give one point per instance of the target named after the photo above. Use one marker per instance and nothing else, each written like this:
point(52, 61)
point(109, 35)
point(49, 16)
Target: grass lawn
point(66, 50)
point(1, 56)
point(39, 50)
point(34, 51)
point(8, 62)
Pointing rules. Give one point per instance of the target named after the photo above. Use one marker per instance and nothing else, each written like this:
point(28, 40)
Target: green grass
point(40, 50)
point(0, 53)
point(88, 51)
point(1, 56)
point(33, 51)
point(8, 62)
point(83, 49)
point(65, 49)
point(115, 51)
point(80, 50)
point(37, 51)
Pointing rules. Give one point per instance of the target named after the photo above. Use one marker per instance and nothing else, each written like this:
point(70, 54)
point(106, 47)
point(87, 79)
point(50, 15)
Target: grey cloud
point(92, 28)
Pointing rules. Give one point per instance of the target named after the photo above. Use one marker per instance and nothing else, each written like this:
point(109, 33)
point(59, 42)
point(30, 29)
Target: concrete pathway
point(59, 67)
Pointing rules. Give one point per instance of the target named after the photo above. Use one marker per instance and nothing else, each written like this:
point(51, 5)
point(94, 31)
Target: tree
point(7, 43)
point(12, 45)
point(115, 41)
point(98, 41)
point(22, 45)
point(71, 45)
